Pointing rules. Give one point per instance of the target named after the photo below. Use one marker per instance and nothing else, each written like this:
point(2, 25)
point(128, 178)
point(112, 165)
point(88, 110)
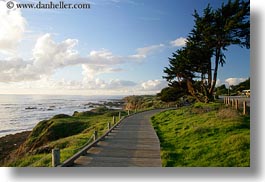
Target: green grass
point(203, 135)
point(68, 133)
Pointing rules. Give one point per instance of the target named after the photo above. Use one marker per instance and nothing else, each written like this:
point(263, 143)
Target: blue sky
point(115, 47)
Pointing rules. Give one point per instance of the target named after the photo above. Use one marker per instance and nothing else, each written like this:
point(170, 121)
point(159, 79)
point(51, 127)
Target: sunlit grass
point(203, 135)
point(51, 134)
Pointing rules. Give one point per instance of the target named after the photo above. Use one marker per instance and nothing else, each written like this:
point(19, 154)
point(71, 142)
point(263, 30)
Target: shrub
point(226, 113)
point(58, 116)
point(85, 113)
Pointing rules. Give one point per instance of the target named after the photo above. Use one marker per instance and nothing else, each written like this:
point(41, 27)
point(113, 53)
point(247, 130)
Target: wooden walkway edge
point(133, 143)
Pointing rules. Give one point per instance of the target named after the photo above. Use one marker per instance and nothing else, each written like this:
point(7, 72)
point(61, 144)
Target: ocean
point(22, 112)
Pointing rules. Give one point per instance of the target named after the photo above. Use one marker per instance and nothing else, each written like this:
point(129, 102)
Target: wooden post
point(119, 115)
point(236, 104)
point(55, 157)
point(244, 108)
point(228, 101)
point(224, 100)
point(113, 120)
point(95, 135)
point(232, 102)
point(135, 110)
point(128, 112)
point(109, 125)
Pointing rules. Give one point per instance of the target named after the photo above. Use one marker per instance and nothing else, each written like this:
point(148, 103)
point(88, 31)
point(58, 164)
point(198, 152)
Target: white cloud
point(103, 57)
point(145, 51)
point(48, 56)
point(12, 28)
point(234, 81)
point(117, 84)
point(154, 85)
point(230, 81)
point(90, 71)
point(179, 42)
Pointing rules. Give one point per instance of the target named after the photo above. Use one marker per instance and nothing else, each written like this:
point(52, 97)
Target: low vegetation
point(196, 135)
point(68, 133)
point(203, 135)
point(145, 102)
point(141, 102)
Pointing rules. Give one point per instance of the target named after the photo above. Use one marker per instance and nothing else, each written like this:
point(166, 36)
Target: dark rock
point(28, 108)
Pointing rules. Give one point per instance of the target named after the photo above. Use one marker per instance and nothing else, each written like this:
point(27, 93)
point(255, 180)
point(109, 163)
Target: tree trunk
point(217, 57)
point(191, 90)
point(209, 74)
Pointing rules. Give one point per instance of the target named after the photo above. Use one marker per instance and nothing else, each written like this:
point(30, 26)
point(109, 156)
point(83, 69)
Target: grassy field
point(203, 135)
point(68, 133)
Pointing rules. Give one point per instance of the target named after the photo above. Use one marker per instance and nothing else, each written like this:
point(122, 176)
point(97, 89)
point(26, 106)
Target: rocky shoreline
point(10, 143)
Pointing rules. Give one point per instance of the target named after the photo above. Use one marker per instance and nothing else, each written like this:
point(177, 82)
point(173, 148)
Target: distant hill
point(241, 86)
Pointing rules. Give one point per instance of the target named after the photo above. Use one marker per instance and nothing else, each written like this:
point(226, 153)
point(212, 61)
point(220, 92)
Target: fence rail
point(70, 161)
point(237, 104)
point(54, 157)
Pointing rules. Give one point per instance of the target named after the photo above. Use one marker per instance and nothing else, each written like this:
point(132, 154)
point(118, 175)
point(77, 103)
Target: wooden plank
point(117, 162)
point(132, 143)
point(129, 153)
point(70, 161)
point(127, 145)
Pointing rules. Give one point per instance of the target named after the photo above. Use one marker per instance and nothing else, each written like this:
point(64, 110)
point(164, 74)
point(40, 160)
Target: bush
point(101, 110)
point(85, 113)
point(58, 116)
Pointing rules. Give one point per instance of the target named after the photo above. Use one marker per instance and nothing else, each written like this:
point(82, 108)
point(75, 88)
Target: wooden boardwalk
point(133, 143)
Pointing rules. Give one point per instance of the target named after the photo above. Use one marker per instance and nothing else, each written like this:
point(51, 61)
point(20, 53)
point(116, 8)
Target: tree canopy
point(196, 64)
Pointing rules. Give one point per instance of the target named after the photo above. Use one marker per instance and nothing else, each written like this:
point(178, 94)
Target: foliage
point(171, 94)
point(241, 86)
point(234, 89)
point(144, 102)
point(53, 129)
point(203, 135)
point(213, 32)
point(68, 133)
point(221, 90)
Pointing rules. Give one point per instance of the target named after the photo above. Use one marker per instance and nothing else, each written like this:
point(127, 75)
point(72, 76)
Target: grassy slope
point(68, 133)
point(203, 135)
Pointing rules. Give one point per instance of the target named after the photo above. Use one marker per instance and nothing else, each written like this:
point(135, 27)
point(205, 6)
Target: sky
point(116, 47)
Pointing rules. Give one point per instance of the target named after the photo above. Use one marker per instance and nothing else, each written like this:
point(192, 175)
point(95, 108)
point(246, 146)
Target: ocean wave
point(24, 112)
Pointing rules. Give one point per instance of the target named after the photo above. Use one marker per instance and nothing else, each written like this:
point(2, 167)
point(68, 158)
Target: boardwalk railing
point(70, 161)
point(235, 103)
